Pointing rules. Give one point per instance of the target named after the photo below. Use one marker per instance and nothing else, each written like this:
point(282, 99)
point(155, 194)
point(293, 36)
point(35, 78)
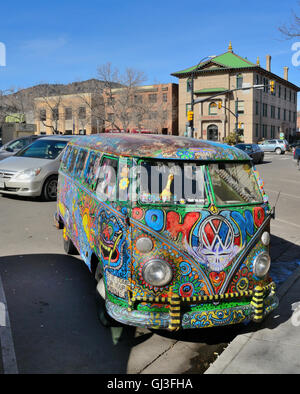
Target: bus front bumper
point(219, 310)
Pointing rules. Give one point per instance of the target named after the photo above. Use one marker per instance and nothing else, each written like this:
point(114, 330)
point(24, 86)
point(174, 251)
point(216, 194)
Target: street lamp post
point(191, 132)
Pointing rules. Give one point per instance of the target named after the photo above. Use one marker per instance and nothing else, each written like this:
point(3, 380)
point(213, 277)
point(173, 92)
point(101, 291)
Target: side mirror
point(9, 149)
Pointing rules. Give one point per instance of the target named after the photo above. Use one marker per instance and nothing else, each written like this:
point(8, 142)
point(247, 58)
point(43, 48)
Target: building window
point(165, 97)
point(152, 115)
point(272, 112)
point(188, 85)
point(43, 115)
point(290, 116)
point(55, 113)
point(285, 93)
point(284, 114)
point(239, 107)
point(272, 131)
point(110, 117)
point(265, 109)
point(239, 81)
point(256, 108)
point(278, 113)
point(265, 131)
point(256, 130)
point(68, 113)
point(152, 98)
point(290, 95)
point(212, 109)
point(81, 112)
point(279, 90)
point(138, 99)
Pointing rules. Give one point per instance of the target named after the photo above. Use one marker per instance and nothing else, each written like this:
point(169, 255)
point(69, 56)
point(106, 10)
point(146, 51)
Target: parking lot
point(50, 296)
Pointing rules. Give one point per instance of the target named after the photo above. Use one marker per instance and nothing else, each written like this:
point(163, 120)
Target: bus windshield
point(234, 183)
point(169, 182)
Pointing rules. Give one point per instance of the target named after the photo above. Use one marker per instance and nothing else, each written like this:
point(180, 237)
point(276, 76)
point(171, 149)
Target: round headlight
point(265, 238)
point(144, 245)
point(261, 264)
point(157, 272)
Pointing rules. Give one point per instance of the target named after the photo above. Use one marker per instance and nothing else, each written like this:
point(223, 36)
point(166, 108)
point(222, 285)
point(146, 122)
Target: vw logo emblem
point(216, 242)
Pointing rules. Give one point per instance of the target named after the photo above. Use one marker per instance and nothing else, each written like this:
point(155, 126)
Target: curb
point(235, 347)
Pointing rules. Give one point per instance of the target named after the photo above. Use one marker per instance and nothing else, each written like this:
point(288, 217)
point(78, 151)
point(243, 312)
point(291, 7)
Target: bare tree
point(121, 106)
point(48, 104)
point(292, 29)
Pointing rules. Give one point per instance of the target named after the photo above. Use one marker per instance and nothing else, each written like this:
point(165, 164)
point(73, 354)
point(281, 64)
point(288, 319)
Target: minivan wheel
point(103, 316)
point(278, 151)
point(50, 189)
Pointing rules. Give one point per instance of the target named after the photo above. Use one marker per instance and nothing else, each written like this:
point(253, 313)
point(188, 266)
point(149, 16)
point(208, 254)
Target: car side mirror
point(9, 149)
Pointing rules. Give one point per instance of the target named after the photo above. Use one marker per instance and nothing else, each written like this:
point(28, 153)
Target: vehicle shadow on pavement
point(53, 315)
point(21, 198)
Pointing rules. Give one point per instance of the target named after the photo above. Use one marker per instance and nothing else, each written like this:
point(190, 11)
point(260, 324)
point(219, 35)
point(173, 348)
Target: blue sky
point(65, 41)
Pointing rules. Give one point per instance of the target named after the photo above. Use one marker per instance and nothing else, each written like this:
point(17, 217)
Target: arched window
point(212, 109)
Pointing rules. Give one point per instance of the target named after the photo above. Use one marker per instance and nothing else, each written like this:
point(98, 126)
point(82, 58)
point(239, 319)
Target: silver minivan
point(33, 171)
point(277, 146)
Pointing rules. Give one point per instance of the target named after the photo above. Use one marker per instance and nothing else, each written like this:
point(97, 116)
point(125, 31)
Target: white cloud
point(40, 46)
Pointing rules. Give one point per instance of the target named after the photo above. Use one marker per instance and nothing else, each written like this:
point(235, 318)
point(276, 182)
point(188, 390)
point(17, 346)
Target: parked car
point(297, 156)
point(277, 146)
point(14, 146)
point(253, 150)
point(33, 171)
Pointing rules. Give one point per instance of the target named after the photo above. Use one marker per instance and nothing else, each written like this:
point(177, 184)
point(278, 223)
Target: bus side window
point(80, 162)
point(90, 172)
point(123, 180)
point(72, 160)
point(65, 158)
point(107, 180)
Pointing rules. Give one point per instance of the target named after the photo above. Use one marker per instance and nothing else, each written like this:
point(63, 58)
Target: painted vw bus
point(175, 230)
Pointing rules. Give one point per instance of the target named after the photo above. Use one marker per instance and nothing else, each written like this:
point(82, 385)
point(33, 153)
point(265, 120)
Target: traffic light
point(272, 86)
point(219, 104)
point(240, 125)
point(190, 115)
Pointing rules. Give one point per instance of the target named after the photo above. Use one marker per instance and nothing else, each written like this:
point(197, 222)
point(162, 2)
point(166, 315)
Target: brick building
point(261, 114)
point(80, 113)
point(151, 108)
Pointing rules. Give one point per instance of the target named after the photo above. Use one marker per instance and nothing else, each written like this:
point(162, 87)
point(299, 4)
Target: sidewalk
point(274, 348)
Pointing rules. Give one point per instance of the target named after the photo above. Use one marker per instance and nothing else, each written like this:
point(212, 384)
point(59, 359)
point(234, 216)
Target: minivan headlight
point(28, 174)
point(261, 264)
point(157, 272)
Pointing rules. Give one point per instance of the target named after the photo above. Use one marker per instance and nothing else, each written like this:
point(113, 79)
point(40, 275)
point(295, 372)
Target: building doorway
point(212, 133)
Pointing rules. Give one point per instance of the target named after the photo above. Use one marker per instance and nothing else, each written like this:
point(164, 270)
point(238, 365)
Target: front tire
point(103, 316)
point(49, 192)
point(278, 151)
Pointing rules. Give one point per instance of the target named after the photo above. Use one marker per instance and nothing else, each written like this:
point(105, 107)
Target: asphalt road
point(50, 296)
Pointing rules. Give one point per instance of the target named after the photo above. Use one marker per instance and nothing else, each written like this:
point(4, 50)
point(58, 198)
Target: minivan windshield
point(234, 183)
point(43, 149)
point(169, 182)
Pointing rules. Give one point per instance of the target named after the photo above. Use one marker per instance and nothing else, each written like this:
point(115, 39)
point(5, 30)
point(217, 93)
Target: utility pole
point(193, 102)
point(191, 111)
